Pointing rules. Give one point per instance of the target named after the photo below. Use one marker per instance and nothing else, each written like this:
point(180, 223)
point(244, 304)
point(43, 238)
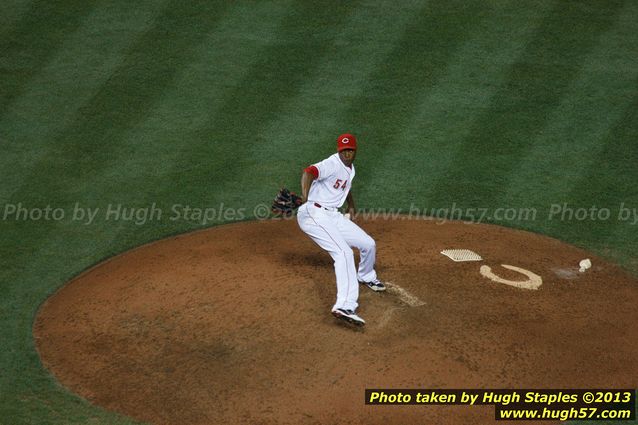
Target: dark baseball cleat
point(375, 285)
point(348, 316)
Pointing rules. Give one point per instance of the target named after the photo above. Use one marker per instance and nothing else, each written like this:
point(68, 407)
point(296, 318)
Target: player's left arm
point(351, 208)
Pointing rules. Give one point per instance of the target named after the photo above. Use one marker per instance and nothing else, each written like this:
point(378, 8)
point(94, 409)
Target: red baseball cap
point(346, 141)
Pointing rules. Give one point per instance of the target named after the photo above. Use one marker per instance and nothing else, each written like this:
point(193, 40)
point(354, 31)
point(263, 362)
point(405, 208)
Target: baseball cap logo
point(346, 141)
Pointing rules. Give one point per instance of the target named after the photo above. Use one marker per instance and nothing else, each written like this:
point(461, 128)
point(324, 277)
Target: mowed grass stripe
point(200, 92)
point(307, 127)
point(152, 160)
point(416, 62)
point(533, 88)
point(444, 110)
point(574, 139)
point(85, 146)
point(78, 155)
point(72, 76)
point(28, 44)
point(224, 143)
point(11, 12)
point(608, 182)
point(65, 174)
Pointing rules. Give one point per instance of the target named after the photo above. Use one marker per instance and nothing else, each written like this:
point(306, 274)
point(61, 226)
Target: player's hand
point(352, 214)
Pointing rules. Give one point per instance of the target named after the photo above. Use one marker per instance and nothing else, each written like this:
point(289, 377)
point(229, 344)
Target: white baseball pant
point(337, 235)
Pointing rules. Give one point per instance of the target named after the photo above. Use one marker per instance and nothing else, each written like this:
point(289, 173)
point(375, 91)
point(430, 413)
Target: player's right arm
point(308, 176)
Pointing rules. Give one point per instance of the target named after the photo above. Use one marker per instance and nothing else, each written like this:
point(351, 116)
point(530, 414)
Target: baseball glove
point(286, 202)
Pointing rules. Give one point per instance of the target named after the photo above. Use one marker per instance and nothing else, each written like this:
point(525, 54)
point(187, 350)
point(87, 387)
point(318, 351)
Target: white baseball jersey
point(331, 187)
point(335, 234)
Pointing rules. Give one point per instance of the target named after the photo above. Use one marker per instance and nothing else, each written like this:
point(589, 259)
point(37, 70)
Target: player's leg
point(356, 237)
point(320, 226)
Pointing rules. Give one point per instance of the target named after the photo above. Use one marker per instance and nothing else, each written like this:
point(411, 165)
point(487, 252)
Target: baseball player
point(325, 186)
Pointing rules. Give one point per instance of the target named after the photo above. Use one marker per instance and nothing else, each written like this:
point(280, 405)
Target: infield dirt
point(233, 325)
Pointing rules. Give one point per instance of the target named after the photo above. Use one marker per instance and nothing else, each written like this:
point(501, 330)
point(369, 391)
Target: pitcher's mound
point(233, 325)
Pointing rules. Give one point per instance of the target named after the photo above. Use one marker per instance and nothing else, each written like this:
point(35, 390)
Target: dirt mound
point(232, 325)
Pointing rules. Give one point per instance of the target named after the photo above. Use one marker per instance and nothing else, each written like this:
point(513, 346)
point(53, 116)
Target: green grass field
point(479, 104)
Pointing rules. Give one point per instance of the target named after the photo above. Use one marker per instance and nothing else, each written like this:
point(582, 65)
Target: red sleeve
point(312, 170)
